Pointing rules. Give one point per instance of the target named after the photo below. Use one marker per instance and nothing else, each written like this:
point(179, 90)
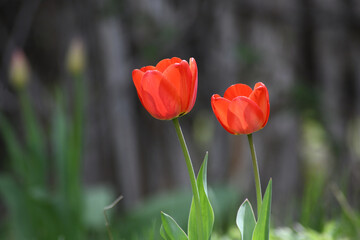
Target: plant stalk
point(256, 174)
point(107, 224)
point(191, 175)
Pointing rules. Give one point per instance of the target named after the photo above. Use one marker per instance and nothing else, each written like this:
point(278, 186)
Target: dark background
point(306, 52)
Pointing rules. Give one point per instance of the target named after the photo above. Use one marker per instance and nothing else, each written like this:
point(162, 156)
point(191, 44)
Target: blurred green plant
point(350, 219)
point(333, 230)
point(36, 193)
point(41, 188)
point(143, 221)
point(317, 161)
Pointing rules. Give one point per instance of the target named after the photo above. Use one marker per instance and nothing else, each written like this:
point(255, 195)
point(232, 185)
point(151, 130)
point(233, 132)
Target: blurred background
point(74, 135)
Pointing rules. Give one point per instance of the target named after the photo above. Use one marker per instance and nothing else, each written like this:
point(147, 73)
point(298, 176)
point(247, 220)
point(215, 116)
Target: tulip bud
point(19, 69)
point(76, 57)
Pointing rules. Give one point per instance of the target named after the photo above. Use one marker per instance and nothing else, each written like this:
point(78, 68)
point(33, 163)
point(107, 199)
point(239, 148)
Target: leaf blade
point(170, 230)
point(207, 213)
point(245, 220)
point(262, 228)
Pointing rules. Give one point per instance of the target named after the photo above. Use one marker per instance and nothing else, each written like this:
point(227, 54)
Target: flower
point(169, 89)
point(242, 110)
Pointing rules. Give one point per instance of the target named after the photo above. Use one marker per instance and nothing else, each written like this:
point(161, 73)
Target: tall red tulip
point(169, 89)
point(242, 110)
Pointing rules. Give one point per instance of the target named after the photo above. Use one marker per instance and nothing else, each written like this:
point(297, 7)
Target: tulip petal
point(237, 90)
point(147, 68)
point(137, 76)
point(220, 107)
point(193, 84)
point(260, 96)
point(159, 96)
point(180, 76)
point(244, 116)
point(165, 63)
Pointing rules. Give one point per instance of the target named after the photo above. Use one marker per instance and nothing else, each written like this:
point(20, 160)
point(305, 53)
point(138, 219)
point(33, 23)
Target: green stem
point(107, 224)
point(191, 175)
point(256, 174)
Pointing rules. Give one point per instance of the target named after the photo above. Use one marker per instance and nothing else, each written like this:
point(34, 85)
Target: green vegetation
point(42, 188)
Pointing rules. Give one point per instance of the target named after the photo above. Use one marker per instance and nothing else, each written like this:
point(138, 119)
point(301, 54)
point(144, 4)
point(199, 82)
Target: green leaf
point(207, 213)
point(14, 150)
point(170, 230)
point(35, 142)
point(29, 210)
point(14, 198)
point(262, 227)
point(163, 233)
point(245, 220)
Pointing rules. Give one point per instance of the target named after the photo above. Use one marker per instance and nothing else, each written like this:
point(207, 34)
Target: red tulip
point(242, 110)
point(169, 89)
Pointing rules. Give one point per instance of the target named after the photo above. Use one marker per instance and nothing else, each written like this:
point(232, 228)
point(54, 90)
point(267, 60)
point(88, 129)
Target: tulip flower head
point(169, 89)
point(242, 110)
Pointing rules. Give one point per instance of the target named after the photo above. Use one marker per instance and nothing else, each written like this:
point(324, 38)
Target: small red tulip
point(169, 89)
point(242, 110)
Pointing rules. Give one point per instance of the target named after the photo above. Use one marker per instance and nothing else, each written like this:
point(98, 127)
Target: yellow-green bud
point(19, 69)
point(76, 57)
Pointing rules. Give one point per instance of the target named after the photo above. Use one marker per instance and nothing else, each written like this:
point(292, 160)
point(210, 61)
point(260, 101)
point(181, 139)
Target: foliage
point(143, 221)
point(42, 187)
point(316, 160)
point(333, 230)
point(250, 229)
